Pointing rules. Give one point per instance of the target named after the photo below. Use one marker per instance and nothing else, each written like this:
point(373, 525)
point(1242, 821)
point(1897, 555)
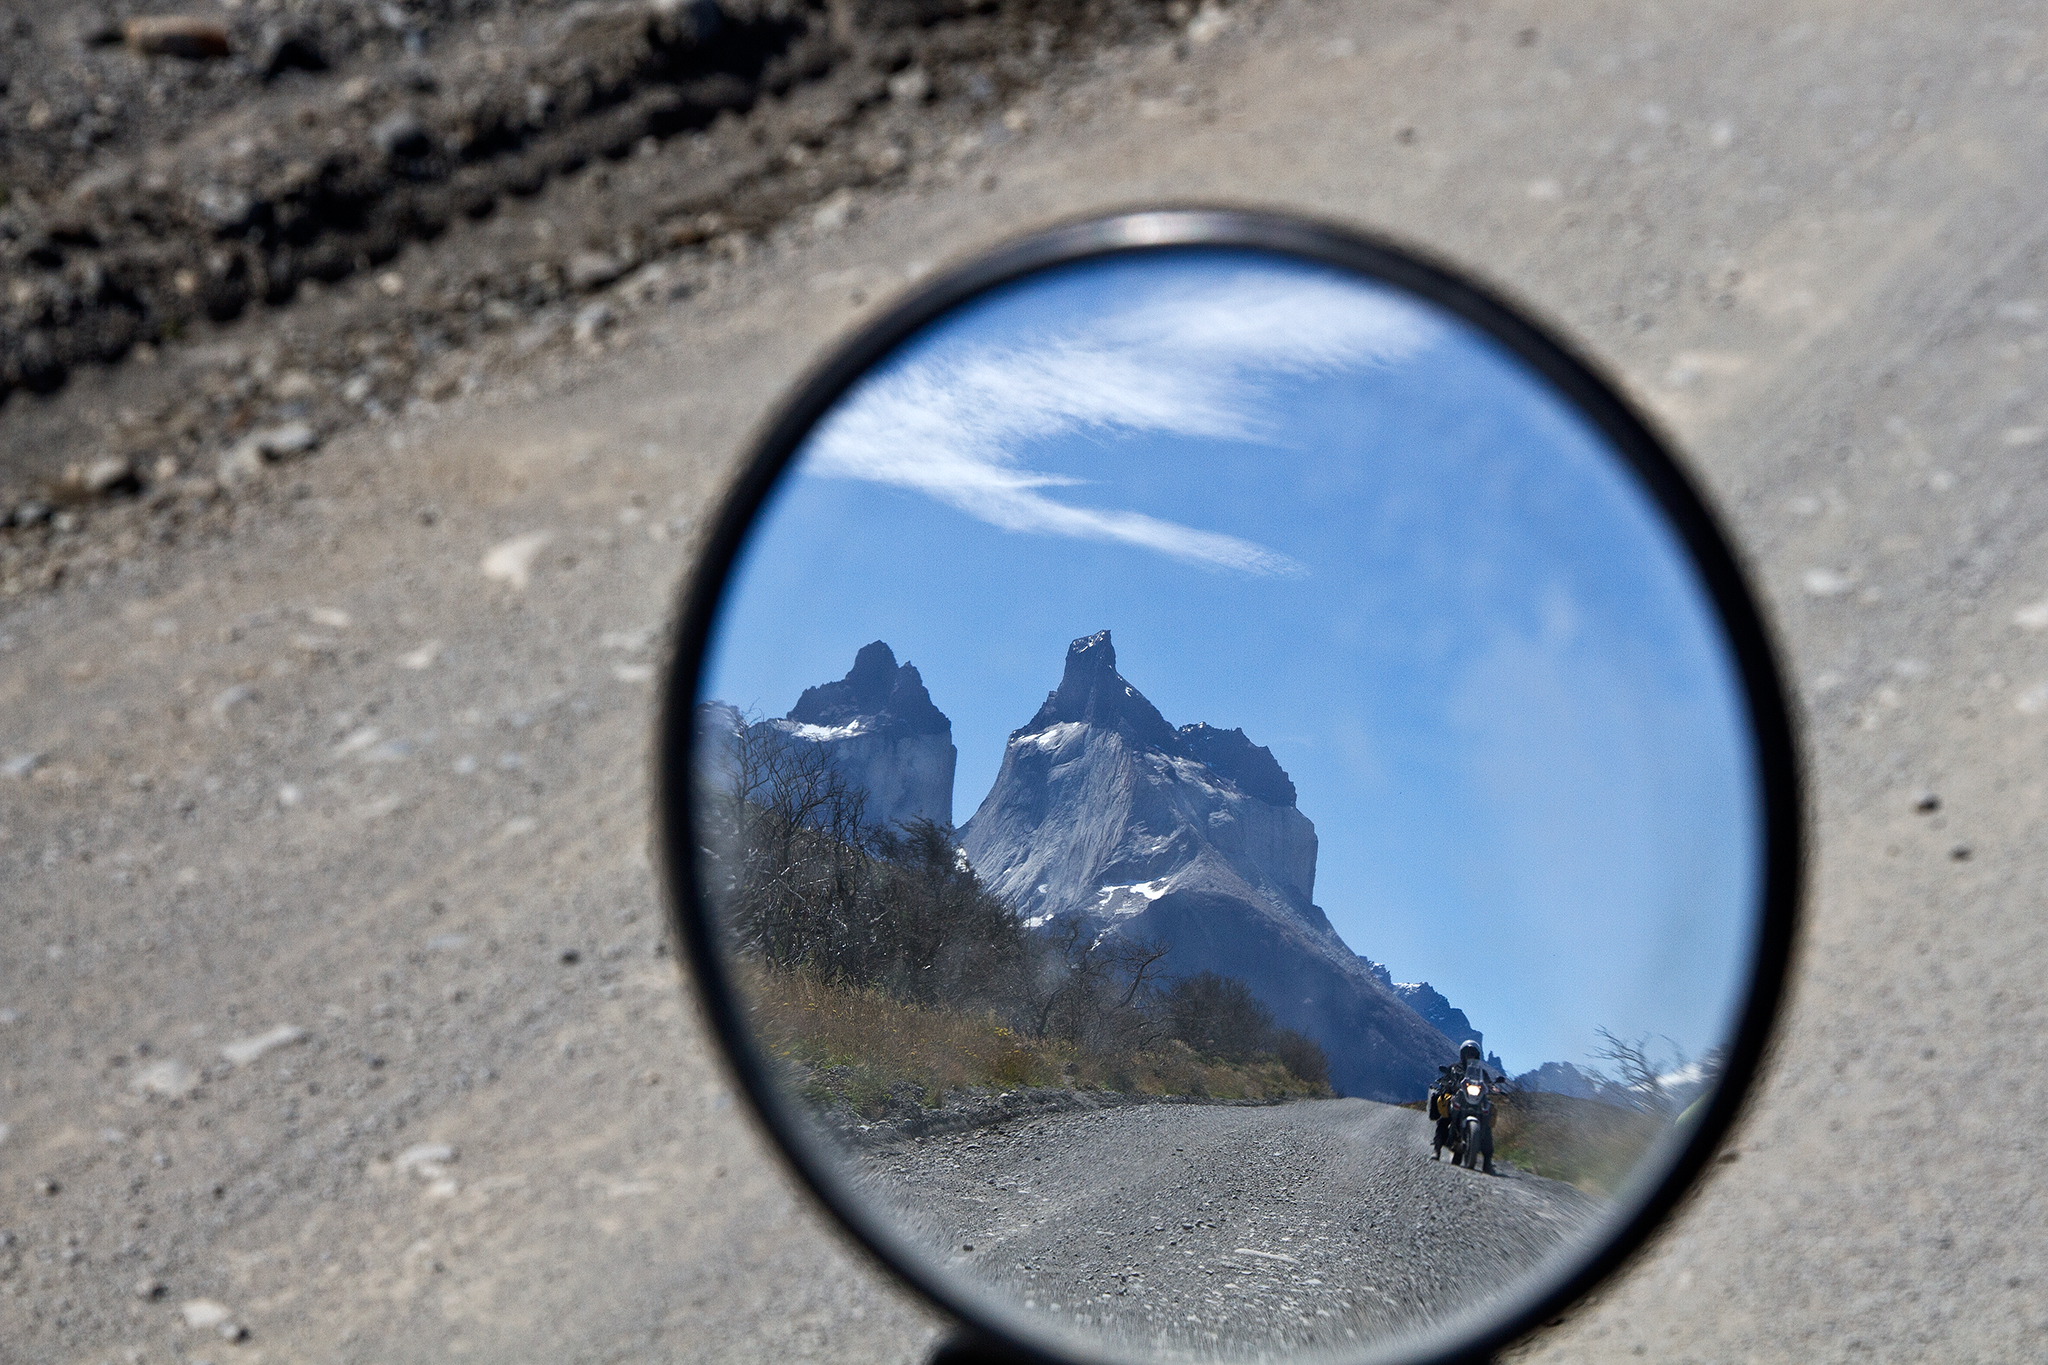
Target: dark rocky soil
point(353, 209)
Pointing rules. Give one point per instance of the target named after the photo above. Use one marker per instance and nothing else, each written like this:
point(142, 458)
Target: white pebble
point(511, 561)
point(359, 739)
point(243, 1051)
point(426, 1154)
point(633, 673)
point(2033, 616)
point(169, 1077)
point(21, 765)
point(423, 657)
point(203, 1313)
point(231, 698)
point(1827, 582)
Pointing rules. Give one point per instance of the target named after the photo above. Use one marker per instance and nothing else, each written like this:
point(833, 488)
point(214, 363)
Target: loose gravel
point(1198, 1232)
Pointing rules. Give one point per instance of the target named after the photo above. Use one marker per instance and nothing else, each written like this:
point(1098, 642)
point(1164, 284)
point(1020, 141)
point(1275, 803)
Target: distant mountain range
point(1106, 812)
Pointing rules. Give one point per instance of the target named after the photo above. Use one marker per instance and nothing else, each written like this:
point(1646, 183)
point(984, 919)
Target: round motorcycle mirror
point(1227, 800)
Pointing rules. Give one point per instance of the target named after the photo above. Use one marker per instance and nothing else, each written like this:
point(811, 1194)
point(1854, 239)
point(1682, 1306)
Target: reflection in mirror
point(1229, 809)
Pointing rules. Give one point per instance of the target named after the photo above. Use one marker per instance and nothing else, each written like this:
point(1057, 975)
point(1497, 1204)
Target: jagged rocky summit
point(883, 733)
point(1427, 1001)
point(1104, 810)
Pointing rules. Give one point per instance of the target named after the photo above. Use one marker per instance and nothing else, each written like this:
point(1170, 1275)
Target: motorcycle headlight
point(1472, 1089)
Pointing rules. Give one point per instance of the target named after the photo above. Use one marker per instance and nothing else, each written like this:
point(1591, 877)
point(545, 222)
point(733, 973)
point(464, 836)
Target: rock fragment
point(593, 270)
point(99, 478)
point(401, 136)
point(511, 561)
point(201, 1314)
point(911, 86)
point(21, 765)
point(243, 1051)
point(176, 35)
point(252, 452)
point(170, 1078)
point(592, 323)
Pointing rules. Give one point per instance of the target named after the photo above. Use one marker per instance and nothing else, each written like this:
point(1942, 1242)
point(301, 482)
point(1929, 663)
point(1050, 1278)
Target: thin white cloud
point(1185, 361)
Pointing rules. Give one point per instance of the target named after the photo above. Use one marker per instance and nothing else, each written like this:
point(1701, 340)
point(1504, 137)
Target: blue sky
point(1329, 514)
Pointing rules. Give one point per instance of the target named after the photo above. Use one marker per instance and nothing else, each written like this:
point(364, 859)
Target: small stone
point(170, 1078)
point(592, 322)
point(176, 35)
point(401, 135)
point(511, 561)
point(1959, 854)
point(224, 207)
point(31, 513)
point(252, 452)
point(1826, 582)
point(110, 474)
point(243, 1051)
point(426, 1159)
point(833, 213)
point(910, 86)
point(203, 1313)
point(356, 389)
point(593, 270)
point(229, 699)
point(2033, 616)
point(1927, 804)
point(421, 658)
point(151, 1290)
point(233, 1331)
point(294, 384)
point(48, 1186)
point(21, 765)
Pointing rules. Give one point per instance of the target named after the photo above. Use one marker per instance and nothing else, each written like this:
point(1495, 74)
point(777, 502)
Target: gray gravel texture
point(1209, 1233)
point(1807, 240)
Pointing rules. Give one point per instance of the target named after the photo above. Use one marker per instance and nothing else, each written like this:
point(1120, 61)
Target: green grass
point(1585, 1143)
point(873, 1053)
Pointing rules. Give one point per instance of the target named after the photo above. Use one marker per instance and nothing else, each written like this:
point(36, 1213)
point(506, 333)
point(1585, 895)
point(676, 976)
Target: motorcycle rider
point(1445, 1102)
point(1471, 1068)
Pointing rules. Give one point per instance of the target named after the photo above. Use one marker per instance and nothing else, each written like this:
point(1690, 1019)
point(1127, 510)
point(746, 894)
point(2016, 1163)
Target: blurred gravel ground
point(1808, 240)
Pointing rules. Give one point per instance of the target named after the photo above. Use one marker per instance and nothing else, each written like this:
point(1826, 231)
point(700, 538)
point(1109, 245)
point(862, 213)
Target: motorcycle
point(1470, 1120)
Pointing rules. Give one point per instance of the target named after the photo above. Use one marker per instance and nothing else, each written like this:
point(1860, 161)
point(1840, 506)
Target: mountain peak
point(875, 687)
point(1093, 692)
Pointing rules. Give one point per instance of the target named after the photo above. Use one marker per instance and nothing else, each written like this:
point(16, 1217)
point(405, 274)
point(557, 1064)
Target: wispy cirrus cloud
point(1185, 360)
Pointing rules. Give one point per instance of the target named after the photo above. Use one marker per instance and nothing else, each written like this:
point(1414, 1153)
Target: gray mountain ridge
point(1104, 811)
point(1427, 1001)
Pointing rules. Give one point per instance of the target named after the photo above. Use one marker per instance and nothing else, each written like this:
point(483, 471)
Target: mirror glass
point(1227, 813)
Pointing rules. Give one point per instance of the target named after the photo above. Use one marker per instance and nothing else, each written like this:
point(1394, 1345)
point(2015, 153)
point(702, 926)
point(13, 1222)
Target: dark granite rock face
point(1103, 810)
point(884, 734)
point(1092, 692)
point(1251, 766)
point(875, 689)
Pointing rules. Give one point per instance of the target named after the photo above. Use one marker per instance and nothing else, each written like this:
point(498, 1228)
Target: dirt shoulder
point(356, 210)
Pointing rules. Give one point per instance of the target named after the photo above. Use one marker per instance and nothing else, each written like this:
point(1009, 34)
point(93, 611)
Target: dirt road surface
point(1200, 1232)
point(364, 754)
